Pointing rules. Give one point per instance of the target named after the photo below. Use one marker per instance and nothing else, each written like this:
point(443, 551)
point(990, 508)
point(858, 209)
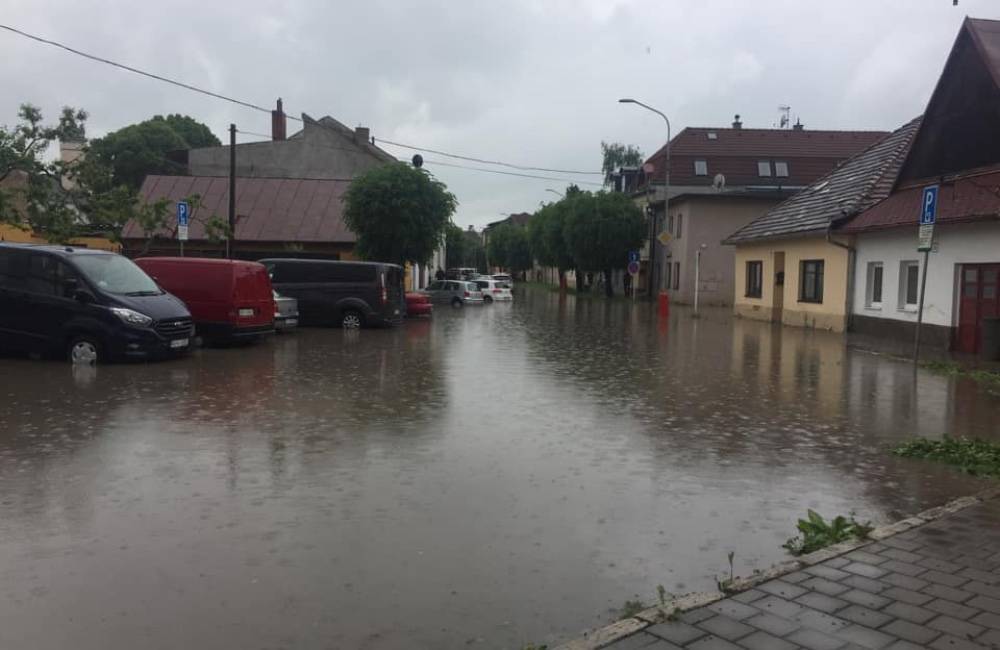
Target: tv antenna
point(786, 116)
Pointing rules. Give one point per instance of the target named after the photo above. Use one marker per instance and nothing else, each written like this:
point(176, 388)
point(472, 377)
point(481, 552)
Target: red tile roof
point(734, 153)
point(970, 197)
point(267, 209)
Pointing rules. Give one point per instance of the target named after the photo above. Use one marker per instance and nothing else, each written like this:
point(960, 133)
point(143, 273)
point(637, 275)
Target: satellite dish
point(719, 182)
point(418, 160)
point(648, 168)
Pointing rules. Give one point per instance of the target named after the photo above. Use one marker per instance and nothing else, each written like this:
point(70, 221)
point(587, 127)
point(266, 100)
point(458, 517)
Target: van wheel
point(351, 320)
point(456, 303)
point(85, 349)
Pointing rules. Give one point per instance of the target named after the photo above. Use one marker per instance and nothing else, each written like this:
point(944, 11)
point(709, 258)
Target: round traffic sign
point(633, 268)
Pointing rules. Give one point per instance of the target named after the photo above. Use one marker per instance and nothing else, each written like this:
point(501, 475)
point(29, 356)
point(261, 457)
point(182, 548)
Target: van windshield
point(116, 274)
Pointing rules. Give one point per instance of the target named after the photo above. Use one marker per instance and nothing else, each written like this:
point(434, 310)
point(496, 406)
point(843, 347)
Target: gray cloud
point(528, 82)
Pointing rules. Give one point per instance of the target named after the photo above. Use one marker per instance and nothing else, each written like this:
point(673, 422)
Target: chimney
point(70, 151)
point(361, 135)
point(278, 123)
point(798, 125)
point(736, 123)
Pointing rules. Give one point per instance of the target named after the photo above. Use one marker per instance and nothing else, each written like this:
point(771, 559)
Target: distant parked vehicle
point(286, 312)
point(456, 293)
point(91, 306)
point(418, 304)
point(504, 278)
point(493, 290)
point(461, 273)
point(229, 300)
point(346, 294)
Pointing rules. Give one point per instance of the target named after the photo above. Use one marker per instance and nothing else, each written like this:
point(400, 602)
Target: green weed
point(976, 457)
point(631, 608)
point(817, 533)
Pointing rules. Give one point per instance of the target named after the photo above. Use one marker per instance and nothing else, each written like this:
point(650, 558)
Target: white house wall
point(954, 245)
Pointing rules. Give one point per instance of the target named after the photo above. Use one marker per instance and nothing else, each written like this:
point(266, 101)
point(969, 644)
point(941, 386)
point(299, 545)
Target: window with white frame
point(909, 285)
point(873, 292)
point(781, 168)
point(764, 168)
point(701, 168)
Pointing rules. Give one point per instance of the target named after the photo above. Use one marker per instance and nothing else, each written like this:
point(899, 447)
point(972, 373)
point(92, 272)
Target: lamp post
point(666, 190)
point(697, 275)
point(557, 193)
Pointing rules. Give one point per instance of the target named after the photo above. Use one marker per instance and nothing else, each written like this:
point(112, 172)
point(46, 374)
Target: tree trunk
point(579, 281)
point(562, 281)
point(608, 289)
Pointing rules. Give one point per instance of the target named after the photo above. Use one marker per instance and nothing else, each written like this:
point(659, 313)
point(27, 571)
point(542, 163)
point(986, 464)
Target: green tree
point(546, 239)
point(604, 227)
point(398, 212)
point(456, 246)
point(137, 150)
point(615, 155)
point(509, 248)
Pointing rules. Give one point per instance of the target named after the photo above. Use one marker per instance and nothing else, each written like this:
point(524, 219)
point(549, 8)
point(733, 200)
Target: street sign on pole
point(183, 212)
point(664, 237)
point(633, 256)
point(928, 216)
point(633, 268)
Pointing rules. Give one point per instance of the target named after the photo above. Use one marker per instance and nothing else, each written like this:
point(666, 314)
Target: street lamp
point(697, 275)
point(666, 189)
point(557, 193)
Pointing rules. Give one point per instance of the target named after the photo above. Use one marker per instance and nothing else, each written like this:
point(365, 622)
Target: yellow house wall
point(828, 315)
point(13, 234)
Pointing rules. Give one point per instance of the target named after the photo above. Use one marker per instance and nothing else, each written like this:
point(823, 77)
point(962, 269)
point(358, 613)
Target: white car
point(493, 290)
point(505, 279)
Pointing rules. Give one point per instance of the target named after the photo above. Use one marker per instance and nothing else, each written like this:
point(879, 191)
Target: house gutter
point(851, 263)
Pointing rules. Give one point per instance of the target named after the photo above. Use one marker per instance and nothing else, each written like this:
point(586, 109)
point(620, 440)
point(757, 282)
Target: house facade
point(957, 148)
point(790, 265)
point(721, 179)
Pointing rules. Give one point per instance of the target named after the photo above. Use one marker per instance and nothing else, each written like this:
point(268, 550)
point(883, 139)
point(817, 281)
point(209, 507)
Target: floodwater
point(490, 478)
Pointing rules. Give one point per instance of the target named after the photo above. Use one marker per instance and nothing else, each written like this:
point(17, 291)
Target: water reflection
point(492, 476)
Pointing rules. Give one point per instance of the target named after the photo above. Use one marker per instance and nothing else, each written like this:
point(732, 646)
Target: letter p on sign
point(928, 211)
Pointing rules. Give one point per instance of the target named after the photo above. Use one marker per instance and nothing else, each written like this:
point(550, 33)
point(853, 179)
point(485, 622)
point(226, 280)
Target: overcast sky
point(529, 82)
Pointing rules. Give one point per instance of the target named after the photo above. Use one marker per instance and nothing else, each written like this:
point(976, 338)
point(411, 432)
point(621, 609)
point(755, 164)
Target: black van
point(88, 305)
point(348, 294)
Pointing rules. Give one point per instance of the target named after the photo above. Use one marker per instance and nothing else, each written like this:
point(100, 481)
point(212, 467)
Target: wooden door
point(980, 298)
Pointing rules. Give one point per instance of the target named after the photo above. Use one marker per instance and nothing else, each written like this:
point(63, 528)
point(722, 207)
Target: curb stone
point(608, 634)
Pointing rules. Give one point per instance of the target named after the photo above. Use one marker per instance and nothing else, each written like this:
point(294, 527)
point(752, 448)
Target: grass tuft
point(976, 457)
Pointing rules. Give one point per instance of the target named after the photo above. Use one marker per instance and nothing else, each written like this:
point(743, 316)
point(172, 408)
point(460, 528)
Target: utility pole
point(230, 243)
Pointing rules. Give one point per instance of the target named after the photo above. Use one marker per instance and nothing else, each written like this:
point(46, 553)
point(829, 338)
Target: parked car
point(456, 293)
point(418, 304)
point(504, 278)
point(493, 290)
point(348, 294)
point(230, 300)
point(91, 306)
point(286, 312)
point(461, 273)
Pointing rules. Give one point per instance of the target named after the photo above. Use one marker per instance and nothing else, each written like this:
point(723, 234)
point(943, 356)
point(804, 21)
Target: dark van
point(229, 300)
point(90, 306)
point(348, 294)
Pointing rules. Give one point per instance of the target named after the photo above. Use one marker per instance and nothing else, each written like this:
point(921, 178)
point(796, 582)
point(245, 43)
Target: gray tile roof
point(854, 186)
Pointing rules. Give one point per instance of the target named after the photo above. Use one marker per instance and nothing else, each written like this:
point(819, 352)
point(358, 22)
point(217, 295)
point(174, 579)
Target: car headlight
point(131, 317)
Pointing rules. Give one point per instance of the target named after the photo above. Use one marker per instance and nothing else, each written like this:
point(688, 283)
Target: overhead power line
point(487, 162)
point(505, 173)
point(256, 107)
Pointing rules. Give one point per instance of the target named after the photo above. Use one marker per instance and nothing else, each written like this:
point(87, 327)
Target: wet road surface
point(494, 477)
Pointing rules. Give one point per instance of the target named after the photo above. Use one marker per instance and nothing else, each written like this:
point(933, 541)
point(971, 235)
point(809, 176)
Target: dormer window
point(701, 168)
point(764, 168)
point(781, 168)
point(712, 135)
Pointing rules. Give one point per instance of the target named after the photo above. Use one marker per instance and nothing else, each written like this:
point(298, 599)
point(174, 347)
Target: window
point(41, 276)
point(909, 284)
point(437, 285)
point(670, 224)
point(680, 223)
point(811, 281)
point(344, 272)
point(669, 268)
point(755, 279)
point(873, 292)
point(677, 275)
point(712, 135)
point(764, 168)
point(781, 168)
point(701, 168)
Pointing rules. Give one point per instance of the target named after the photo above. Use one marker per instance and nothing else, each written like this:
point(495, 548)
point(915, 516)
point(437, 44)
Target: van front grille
point(175, 327)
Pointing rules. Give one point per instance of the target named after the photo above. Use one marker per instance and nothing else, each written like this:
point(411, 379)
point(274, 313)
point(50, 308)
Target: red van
point(228, 299)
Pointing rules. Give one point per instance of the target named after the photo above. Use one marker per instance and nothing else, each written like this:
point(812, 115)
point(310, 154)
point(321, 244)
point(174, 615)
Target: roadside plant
point(817, 533)
point(725, 585)
point(975, 457)
point(631, 608)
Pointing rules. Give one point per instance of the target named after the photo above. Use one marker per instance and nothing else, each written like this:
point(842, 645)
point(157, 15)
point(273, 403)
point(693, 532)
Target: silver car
point(456, 293)
point(286, 312)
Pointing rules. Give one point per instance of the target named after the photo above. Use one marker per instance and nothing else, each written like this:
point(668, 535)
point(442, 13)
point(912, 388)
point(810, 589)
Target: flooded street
point(490, 478)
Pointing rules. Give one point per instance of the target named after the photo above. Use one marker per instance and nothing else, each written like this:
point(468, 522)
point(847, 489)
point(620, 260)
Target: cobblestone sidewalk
point(936, 586)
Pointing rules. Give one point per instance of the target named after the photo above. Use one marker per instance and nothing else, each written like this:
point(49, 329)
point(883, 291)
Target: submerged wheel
point(85, 349)
point(351, 320)
point(487, 299)
point(457, 303)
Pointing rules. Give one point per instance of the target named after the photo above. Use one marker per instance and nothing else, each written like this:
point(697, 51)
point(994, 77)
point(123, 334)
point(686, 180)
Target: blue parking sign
point(928, 206)
point(183, 210)
point(633, 256)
